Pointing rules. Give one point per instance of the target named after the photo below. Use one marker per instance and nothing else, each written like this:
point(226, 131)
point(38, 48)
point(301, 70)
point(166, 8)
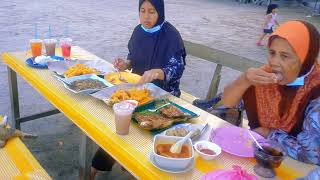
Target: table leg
point(14, 98)
point(85, 157)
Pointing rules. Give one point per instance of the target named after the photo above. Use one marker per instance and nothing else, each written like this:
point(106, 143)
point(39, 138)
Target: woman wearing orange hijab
point(282, 98)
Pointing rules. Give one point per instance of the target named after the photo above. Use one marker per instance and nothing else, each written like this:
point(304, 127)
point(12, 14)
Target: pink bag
point(236, 174)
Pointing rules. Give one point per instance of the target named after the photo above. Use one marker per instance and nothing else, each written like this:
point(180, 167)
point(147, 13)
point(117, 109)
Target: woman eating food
point(282, 98)
point(157, 53)
point(156, 49)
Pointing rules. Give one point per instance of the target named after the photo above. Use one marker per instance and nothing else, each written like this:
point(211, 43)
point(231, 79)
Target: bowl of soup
point(164, 158)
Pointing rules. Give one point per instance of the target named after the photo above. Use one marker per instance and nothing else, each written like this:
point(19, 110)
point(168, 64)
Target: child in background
point(270, 22)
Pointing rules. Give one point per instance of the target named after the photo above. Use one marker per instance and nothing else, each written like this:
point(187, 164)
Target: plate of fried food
point(73, 68)
point(141, 93)
point(122, 77)
point(80, 69)
point(161, 114)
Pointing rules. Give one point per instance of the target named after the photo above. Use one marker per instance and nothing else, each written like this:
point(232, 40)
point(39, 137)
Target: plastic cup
point(123, 113)
point(36, 47)
point(65, 44)
point(50, 45)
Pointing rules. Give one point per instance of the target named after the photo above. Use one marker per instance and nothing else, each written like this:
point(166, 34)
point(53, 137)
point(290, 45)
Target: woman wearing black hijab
point(156, 49)
point(157, 53)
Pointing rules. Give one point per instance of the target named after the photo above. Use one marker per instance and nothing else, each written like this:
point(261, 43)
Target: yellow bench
point(17, 162)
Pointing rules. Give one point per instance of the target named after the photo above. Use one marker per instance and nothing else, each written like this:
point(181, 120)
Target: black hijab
point(154, 50)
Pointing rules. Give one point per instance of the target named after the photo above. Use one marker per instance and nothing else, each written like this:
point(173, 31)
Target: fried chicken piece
point(152, 121)
point(172, 112)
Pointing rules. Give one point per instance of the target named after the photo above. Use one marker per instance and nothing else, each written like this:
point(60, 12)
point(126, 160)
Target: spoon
point(201, 131)
point(119, 75)
point(254, 139)
point(176, 148)
point(156, 109)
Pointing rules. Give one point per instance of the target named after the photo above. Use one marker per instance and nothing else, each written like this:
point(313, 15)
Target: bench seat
point(17, 162)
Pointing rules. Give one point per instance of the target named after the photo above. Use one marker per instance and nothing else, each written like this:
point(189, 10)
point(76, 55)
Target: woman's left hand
point(263, 131)
point(151, 75)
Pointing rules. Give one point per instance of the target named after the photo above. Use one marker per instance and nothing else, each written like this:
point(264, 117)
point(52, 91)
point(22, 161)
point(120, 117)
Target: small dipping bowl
point(207, 150)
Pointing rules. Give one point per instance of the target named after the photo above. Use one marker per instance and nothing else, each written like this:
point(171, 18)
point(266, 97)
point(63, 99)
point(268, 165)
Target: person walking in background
point(270, 22)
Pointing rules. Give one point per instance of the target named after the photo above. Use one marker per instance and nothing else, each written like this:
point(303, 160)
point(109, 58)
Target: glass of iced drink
point(65, 44)
point(50, 45)
point(123, 113)
point(36, 47)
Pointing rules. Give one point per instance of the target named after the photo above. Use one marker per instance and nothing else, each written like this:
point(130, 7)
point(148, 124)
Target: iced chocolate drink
point(50, 45)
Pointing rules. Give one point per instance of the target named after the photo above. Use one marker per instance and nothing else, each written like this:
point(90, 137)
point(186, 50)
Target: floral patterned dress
point(173, 72)
point(306, 146)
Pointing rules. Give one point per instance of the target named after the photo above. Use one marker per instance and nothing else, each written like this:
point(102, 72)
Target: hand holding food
point(258, 76)
point(121, 64)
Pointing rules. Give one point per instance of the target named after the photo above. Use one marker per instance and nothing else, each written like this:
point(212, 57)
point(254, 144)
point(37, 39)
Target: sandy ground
point(103, 28)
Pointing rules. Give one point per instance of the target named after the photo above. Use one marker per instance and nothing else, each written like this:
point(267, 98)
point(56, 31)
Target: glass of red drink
point(65, 44)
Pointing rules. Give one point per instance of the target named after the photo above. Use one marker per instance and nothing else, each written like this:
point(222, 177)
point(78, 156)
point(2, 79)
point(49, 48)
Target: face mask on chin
point(152, 30)
point(300, 80)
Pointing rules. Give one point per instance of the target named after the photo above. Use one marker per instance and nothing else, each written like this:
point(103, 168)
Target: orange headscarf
point(302, 37)
point(297, 34)
point(282, 107)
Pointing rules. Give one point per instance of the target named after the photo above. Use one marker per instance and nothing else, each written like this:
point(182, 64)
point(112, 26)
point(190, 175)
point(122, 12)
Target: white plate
point(175, 171)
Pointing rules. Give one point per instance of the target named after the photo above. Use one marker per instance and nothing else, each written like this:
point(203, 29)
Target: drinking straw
point(66, 32)
point(49, 32)
point(35, 31)
point(254, 139)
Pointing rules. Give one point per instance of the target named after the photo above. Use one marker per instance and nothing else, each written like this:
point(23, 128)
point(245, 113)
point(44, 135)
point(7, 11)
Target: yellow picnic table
point(96, 120)
point(17, 162)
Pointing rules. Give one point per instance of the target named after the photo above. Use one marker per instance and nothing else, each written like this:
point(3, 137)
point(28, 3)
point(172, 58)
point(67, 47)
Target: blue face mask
point(297, 82)
point(152, 30)
point(300, 80)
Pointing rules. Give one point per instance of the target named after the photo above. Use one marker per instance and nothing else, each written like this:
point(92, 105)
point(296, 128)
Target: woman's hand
point(121, 64)
point(258, 76)
point(263, 131)
point(151, 75)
